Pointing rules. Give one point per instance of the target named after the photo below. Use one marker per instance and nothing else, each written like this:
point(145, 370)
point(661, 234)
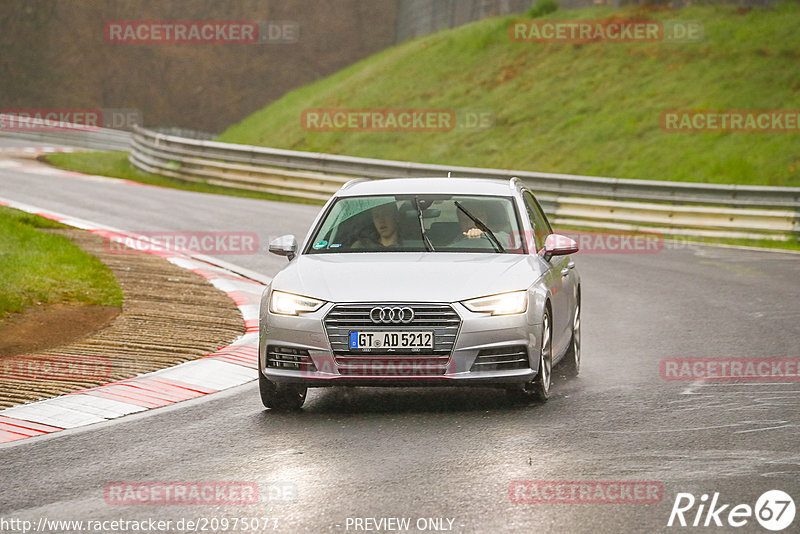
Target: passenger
point(469, 230)
point(468, 227)
point(386, 219)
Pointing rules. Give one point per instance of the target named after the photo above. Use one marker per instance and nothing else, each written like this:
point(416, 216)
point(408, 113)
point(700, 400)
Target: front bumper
point(480, 340)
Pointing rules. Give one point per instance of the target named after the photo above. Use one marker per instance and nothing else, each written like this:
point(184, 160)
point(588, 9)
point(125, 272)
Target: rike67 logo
point(774, 510)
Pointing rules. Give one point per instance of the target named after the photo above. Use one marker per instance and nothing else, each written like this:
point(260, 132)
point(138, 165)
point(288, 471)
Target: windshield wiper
point(482, 227)
point(425, 238)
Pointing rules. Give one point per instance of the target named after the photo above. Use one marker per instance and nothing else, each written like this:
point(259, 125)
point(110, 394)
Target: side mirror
point(559, 245)
point(285, 245)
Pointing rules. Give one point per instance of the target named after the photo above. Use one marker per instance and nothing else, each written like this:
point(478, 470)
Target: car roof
point(447, 186)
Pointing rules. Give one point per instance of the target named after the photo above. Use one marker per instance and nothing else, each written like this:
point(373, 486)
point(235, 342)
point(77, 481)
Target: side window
point(541, 228)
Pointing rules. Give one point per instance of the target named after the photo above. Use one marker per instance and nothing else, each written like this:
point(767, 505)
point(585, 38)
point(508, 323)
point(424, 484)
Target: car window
point(539, 225)
point(451, 223)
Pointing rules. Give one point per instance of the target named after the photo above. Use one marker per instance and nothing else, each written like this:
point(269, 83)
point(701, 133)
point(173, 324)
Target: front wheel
point(539, 387)
point(281, 397)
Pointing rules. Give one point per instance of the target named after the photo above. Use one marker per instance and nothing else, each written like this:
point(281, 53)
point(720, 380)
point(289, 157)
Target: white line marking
point(760, 429)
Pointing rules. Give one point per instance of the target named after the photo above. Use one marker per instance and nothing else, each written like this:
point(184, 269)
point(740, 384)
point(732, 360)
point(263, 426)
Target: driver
point(386, 219)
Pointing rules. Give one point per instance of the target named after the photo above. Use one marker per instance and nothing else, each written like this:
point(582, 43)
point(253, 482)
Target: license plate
point(391, 340)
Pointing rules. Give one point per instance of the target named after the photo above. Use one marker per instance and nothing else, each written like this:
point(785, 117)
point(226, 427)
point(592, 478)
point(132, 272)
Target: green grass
point(791, 244)
point(591, 109)
point(116, 165)
point(41, 268)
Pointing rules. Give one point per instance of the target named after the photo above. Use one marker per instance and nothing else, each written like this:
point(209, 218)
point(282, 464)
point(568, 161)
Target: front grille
point(289, 358)
point(441, 319)
point(502, 359)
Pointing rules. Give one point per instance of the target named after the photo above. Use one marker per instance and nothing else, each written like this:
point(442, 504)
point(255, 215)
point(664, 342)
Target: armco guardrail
point(173, 149)
point(674, 207)
point(74, 135)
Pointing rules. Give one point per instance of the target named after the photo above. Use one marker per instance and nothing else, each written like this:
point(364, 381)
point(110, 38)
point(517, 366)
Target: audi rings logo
point(391, 315)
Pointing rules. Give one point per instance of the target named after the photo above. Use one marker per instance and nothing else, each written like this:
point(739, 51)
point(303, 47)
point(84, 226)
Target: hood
point(406, 277)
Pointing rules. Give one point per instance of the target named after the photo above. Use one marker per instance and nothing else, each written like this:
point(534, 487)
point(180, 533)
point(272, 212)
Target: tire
point(281, 397)
point(539, 388)
point(572, 359)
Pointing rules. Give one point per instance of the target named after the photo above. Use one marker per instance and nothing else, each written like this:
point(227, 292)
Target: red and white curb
point(39, 149)
point(229, 366)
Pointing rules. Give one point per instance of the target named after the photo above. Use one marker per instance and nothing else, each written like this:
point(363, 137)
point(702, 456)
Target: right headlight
point(502, 304)
point(290, 304)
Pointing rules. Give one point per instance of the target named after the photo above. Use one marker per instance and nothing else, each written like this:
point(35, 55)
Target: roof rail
point(353, 182)
point(512, 183)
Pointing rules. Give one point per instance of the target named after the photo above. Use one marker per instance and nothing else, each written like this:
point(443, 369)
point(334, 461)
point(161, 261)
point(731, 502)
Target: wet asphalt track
point(452, 453)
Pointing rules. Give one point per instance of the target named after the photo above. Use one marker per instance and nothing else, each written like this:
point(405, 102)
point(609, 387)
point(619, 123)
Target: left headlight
point(289, 304)
point(502, 304)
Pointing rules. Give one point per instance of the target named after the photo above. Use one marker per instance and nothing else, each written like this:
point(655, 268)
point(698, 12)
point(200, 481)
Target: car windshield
point(419, 223)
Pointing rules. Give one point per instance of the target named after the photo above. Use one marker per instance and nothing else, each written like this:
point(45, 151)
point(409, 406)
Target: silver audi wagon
point(422, 282)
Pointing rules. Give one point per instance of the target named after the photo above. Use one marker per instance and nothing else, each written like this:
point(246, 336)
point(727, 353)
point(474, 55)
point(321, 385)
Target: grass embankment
point(37, 267)
point(591, 109)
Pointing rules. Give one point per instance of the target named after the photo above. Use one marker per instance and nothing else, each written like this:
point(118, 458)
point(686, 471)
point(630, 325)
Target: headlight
point(288, 304)
point(502, 304)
